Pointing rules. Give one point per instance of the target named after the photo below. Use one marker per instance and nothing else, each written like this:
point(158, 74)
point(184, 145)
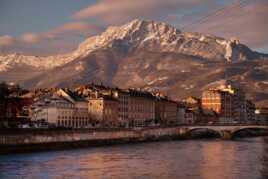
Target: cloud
point(55, 40)
point(31, 38)
point(65, 31)
point(6, 41)
point(118, 11)
point(74, 28)
point(245, 21)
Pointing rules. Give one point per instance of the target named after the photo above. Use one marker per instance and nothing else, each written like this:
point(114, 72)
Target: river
point(190, 159)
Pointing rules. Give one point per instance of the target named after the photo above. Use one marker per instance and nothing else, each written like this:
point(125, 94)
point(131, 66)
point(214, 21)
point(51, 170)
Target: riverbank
point(34, 140)
point(43, 140)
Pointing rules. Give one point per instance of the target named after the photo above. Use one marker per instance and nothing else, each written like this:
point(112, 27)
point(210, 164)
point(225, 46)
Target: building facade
point(61, 109)
point(250, 110)
point(219, 102)
point(229, 103)
point(104, 110)
point(261, 115)
point(141, 108)
point(123, 98)
point(166, 111)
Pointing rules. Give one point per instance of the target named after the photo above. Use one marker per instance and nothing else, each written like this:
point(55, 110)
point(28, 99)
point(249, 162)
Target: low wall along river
point(60, 139)
point(38, 140)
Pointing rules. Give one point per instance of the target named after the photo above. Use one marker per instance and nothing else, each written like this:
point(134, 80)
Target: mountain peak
point(146, 35)
point(159, 36)
point(133, 33)
point(151, 26)
point(147, 54)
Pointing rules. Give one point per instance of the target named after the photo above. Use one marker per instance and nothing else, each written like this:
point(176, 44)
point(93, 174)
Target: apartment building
point(123, 98)
point(62, 108)
point(141, 107)
point(166, 111)
point(229, 102)
point(104, 110)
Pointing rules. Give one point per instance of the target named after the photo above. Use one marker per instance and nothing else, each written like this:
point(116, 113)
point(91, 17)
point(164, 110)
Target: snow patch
point(264, 82)
point(185, 71)
point(146, 66)
point(187, 87)
point(156, 80)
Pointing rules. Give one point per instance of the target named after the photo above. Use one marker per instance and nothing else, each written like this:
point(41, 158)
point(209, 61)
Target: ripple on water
point(204, 159)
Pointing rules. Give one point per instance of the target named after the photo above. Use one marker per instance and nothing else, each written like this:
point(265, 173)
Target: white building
point(62, 109)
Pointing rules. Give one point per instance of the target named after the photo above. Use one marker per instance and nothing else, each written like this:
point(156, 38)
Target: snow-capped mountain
point(9, 61)
point(147, 54)
point(156, 36)
point(142, 34)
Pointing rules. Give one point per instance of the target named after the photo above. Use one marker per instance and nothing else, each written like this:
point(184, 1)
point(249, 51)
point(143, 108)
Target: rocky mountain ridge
point(146, 54)
point(142, 34)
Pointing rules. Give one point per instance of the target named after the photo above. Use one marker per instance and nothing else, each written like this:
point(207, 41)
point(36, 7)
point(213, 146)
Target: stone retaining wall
point(47, 140)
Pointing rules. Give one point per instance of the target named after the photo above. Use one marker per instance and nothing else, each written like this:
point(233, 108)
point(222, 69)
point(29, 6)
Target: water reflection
point(213, 157)
point(265, 159)
point(205, 159)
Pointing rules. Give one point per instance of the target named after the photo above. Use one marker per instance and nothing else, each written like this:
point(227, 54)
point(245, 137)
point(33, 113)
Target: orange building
point(229, 102)
point(218, 101)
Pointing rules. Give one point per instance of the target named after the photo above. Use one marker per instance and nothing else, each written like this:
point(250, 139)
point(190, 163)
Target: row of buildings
point(92, 106)
point(100, 106)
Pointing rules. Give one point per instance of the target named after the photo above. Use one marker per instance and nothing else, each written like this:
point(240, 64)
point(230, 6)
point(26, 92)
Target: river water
point(193, 159)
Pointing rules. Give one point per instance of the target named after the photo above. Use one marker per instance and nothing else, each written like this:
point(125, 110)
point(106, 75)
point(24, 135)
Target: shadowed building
point(123, 98)
point(141, 107)
point(166, 110)
point(104, 110)
point(262, 115)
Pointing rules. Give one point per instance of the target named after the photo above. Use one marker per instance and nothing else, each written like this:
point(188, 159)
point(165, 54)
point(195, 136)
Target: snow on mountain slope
point(149, 55)
point(8, 61)
point(154, 36)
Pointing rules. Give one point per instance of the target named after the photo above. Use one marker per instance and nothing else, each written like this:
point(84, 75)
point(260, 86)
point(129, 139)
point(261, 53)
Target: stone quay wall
point(29, 141)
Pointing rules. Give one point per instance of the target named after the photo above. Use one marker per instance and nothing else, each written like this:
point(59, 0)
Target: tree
point(4, 91)
point(17, 90)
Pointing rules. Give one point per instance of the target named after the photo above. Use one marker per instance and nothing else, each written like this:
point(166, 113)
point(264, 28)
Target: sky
point(49, 27)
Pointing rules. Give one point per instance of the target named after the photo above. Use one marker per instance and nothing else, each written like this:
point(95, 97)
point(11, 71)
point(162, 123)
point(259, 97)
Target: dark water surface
point(194, 159)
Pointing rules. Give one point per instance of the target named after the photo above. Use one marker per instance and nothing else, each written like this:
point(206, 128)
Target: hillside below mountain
point(149, 55)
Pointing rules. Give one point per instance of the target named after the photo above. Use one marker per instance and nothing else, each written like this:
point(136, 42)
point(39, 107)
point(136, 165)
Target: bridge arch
point(204, 132)
point(249, 129)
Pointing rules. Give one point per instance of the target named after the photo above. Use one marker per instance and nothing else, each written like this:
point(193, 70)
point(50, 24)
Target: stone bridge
point(225, 131)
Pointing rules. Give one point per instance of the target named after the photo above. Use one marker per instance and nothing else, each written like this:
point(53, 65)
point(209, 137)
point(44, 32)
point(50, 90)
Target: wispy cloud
point(73, 28)
point(54, 37)
point(70, 29)
point(30, 38)
point(118, 11)
point(6, 41)
point(245, 21)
